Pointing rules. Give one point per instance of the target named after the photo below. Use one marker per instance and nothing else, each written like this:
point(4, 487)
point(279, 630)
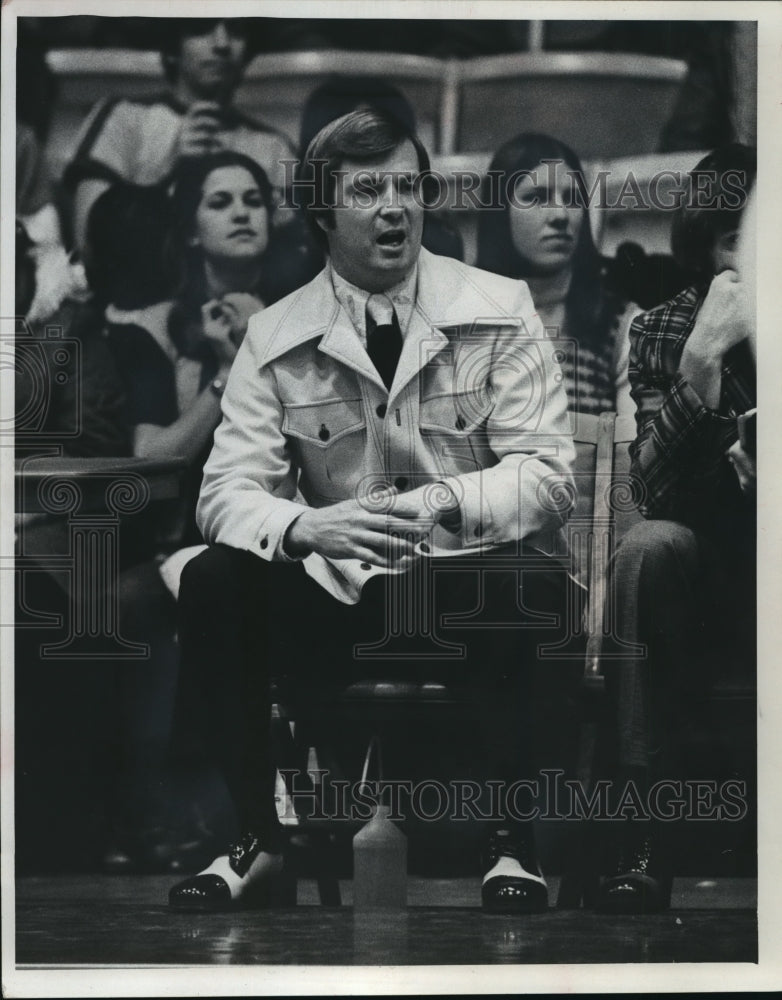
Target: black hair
point(592, 305)
point(715, 197)
point(173, 30)
point(363, 135)
point(126, 233)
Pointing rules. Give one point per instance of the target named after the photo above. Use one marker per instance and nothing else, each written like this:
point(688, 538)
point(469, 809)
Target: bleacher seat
point(657, 176)
point(85, 76)
point(274, 89)
point(602, 104)
point(277, 85)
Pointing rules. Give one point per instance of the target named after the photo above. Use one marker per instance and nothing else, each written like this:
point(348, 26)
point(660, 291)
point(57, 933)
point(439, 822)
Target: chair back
point(601, 104)
point(85, 76)
point(277, 85)
point(606, 508)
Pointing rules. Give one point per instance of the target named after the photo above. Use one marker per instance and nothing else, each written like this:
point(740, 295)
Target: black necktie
point(384, 338)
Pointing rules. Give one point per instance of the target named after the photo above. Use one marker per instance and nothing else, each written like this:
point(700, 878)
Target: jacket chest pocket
point(453, 425)
point(329, 439)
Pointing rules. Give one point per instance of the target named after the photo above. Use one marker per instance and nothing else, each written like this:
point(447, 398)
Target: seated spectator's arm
point(745, 467)
point(43, 227)
point(682, 439)
point(107, 148)
point(186, 436)
point(100, 394)
point(87, 193)
point(224, 325)
point(157, 429)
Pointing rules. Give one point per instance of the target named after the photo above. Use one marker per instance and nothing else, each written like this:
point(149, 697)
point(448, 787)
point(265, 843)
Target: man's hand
point(217, 324)
point(434, 502)
point(348, 530)
point(745, 467)
point(721, 323)
point(198, 133)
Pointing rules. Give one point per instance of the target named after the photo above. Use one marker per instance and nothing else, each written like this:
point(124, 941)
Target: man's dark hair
point(175, 29)
point(362, 136)
point(715, 197)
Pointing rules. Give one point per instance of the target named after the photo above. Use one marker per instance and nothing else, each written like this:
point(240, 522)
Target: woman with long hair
point(535, 226)
point(175, 357)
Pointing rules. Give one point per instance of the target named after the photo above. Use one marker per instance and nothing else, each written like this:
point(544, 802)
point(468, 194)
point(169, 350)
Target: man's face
point(724, 254)
point(211, 63)
point(375, 238)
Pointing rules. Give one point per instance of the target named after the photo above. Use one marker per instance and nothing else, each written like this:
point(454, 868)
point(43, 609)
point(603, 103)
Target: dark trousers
point(682, 606)
point(243, 621)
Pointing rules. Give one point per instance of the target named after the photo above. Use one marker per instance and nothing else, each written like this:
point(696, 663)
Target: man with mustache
point(395, 423)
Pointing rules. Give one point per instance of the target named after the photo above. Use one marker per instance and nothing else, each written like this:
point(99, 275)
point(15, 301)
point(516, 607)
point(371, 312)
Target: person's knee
point(658, 544)
point(212, 577)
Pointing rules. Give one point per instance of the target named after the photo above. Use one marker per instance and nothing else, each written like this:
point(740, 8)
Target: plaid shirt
point(679, 453)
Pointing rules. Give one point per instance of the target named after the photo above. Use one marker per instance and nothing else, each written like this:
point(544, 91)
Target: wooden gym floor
point(86, 920)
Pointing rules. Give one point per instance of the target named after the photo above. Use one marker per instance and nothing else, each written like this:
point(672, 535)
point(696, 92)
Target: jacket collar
point(448, 297)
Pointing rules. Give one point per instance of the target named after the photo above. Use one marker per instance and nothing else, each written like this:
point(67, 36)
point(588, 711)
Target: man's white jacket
point(477, 403)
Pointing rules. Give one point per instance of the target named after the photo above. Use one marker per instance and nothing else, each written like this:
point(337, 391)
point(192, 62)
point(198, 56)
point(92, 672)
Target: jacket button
point(324, 434)
point(264, 543)
point(366, 566)
point(400, 482)
point(460, 423)
point(381, 410)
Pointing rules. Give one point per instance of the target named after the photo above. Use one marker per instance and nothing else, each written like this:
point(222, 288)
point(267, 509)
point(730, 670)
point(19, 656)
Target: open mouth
point(392, 238)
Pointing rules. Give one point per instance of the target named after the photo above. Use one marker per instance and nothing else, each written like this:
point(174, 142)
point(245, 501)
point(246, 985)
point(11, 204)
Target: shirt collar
point(354, 300)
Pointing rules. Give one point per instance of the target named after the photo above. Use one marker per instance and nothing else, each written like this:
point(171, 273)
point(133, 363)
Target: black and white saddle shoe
point(513, 881)
point(248, 876)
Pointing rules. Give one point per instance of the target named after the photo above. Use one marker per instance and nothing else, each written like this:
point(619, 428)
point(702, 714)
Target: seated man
point(141, 141)
point(398, 410)
point(684, 579)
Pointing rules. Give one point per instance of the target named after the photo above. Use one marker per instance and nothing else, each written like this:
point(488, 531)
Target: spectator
point(175, 357)
point(536, 227)
point(684, 579)
point(77, 403)
point(142, 141)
